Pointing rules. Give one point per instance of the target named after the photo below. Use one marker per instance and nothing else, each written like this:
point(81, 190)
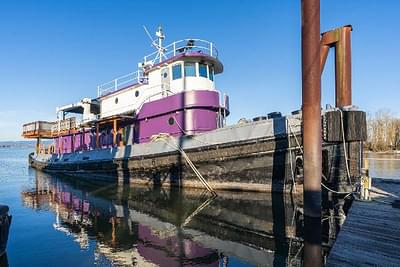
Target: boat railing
point(121, 82)
point(176, 48)
point(64, 126)
point(164, 90)
point(184, 46)
point(37, 129)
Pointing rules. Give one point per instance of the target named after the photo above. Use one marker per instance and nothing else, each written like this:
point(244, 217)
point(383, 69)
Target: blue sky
point(56, 52)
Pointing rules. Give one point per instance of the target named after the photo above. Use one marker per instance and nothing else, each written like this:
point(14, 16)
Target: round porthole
point(137, 93)
point(171, 121)
point(165, 74)
point(116, 100)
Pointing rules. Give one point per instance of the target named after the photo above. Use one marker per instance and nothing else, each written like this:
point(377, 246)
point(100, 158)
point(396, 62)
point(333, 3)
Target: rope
point(198, 210)
point(164, 137)
point(295, 137)
point(344, 148)
point(345, 155)
point(290, 156)
point(191, 136)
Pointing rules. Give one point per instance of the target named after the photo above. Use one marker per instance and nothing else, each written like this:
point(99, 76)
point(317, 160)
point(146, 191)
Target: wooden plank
point(370, 235)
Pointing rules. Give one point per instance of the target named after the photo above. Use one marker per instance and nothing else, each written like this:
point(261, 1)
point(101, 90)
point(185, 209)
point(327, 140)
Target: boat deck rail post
point(312, 146)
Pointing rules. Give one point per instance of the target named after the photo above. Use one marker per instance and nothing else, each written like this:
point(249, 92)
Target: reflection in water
point(4, 260)
point(172, 227)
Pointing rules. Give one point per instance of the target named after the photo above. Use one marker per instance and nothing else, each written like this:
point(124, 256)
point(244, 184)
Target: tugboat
point(166, 124)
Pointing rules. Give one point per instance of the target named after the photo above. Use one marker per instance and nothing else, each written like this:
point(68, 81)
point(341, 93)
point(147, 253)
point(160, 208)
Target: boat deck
point(370, 235)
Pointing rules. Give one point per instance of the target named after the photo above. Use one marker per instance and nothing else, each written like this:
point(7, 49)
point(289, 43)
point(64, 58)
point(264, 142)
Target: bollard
point(366, 183)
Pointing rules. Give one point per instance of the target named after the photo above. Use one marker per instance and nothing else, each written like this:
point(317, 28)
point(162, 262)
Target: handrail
point(184, 45)
point(118, 83)
point(147, 99)
point(176, 48)
point(37, 126)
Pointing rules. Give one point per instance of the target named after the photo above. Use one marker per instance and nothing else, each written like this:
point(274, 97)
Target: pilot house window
point(211, 73)
point(202, 70)
point(176, 71)
point(190, 69)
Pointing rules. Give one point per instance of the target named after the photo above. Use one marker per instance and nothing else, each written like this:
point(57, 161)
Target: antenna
point(153, 42)
point(160, 49)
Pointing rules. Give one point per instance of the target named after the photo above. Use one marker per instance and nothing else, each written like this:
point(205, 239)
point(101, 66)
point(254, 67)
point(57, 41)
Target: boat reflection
point(172, 227)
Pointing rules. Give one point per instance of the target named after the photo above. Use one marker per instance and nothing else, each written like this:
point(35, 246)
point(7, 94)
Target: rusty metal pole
point(343, 67)
point(311, 110)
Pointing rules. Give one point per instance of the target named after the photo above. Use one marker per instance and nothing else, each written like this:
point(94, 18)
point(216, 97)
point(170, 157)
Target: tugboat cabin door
point(165, 79)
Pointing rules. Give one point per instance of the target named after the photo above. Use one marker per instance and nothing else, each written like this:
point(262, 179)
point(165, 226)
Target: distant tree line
point(383, 131)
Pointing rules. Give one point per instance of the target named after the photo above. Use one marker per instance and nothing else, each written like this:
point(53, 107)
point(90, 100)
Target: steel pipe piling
point(311, 109)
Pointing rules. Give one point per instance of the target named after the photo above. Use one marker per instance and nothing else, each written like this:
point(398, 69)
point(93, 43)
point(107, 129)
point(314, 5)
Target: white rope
point(334, 191)
point(295, 137)
point(191, 136)
point(290, 157)
point(347, 168)
point(344, 148)
point(198, 210)
point(164, 137)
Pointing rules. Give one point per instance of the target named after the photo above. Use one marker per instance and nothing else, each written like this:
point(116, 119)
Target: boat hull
point(258, 156)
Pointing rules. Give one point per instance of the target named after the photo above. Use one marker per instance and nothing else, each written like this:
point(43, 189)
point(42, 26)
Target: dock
point(370, 236)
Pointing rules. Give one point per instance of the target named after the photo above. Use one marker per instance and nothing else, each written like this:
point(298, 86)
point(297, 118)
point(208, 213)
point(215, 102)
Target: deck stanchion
point(311, 110)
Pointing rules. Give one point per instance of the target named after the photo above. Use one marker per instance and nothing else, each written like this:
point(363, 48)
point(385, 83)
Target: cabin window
point(136, 93)
point(176, 71)
point(211, 73)
point(116, 100)
point(190, 69)
point(202, 70)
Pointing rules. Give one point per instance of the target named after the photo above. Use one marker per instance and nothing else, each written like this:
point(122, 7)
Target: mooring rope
point(344, 148)
point(290, 154)
point(198, 210)
point(165, 138)
point(347, 167)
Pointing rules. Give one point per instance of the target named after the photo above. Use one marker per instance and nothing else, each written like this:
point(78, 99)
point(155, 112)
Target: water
point(384, 165)
point(64, 222)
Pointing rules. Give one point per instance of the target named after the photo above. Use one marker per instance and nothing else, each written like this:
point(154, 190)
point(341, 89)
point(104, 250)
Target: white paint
point(125, 101)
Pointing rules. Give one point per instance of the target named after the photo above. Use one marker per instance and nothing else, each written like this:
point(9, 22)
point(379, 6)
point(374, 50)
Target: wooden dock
point(370, 235)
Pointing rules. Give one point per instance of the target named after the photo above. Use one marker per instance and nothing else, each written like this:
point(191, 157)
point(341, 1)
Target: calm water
point(62, 222)
point(384, 165)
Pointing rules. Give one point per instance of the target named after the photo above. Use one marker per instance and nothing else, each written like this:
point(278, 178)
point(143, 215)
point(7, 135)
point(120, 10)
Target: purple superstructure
point(184, 113)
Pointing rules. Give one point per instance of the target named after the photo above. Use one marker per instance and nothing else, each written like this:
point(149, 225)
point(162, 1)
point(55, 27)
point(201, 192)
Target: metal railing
point(124, 81)
point(176, 48)
point(64, 125)
point(164, 90)
point(184, 46)
point(37, 128)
